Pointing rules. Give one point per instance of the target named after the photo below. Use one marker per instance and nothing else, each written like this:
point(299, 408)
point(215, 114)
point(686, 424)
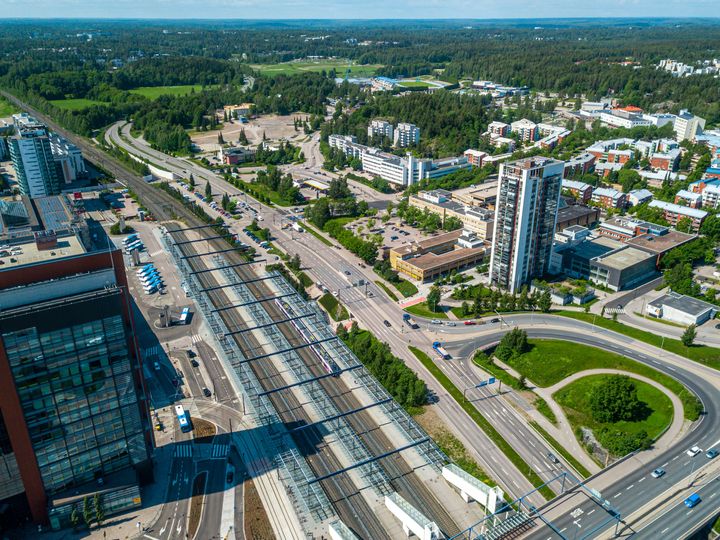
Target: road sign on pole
point(482, 383)
point(491, 380)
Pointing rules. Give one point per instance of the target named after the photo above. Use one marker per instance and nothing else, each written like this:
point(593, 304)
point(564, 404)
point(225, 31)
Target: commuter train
point(328, 363)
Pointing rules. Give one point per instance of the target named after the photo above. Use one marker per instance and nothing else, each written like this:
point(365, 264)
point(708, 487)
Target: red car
point(470, 323)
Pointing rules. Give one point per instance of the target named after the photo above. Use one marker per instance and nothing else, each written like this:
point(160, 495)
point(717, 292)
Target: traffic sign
point(491, 380)
point(482, 383)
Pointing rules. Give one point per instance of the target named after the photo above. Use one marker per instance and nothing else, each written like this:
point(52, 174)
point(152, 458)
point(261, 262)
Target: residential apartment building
point(688, 125)
point(501, 129)
point(580, 190)
point(623, 119)
point(475, 157)
point(638, 196)
point(406, 135)
point(666, 161)
point(526, 210)
point(711, 197)
point(380, 129)
point(608, 198)
point(674, 213)
point(688, 198)
point(74, 417)
point(525, 129)
point(578, 165)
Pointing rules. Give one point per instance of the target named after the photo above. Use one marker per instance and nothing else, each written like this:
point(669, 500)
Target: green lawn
point(415, 84)
point(574, 399)
point(483, 423)
point(7, 108)
point(336, 310)
point(154, 92)
point(340, 66)
point(75, 104)
point(406, 288)
point(422, 310)
point(385, 288)
point(550, 361)
point(709, 356)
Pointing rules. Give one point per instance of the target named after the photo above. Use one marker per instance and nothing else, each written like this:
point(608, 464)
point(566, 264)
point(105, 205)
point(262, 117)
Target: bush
point(514, 343)
point(616, 400)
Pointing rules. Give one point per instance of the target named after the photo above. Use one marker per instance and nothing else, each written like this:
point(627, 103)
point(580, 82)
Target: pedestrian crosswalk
point(220, 451)
point(196, 339)
point(152, 352)
point(183, 450)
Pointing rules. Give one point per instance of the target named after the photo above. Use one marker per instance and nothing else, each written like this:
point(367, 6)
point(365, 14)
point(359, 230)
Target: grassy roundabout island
point(641, 414)
point(549, 361)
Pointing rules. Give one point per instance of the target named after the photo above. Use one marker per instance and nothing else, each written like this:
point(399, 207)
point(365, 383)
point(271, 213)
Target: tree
point(684, 224)
point(545, 302)
point(74, 518)
point(319, 213)
point(512, 344)
point(242, 138)
point(191, 181)
point(225, 202)
point(689, 335)
point(433, 299)
point(87, 512)
point(615, 399)
point(208, 191)
point(99, 509)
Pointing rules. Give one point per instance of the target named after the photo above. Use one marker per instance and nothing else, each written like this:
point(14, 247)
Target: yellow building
point(429, 259)
point(242, 110)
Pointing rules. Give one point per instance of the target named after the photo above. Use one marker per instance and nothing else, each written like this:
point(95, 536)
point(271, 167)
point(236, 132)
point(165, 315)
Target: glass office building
point(75, 387)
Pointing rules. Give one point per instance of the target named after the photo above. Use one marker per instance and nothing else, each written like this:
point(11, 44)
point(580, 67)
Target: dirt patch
point(203, 431)
point(273, 127)
point(451, 445)
point(196, 503)
point(257, 525)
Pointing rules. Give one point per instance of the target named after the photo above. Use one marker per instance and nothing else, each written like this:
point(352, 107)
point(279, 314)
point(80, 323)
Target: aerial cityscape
point(332, 272)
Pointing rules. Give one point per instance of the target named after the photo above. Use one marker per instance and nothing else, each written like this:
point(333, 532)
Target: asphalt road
point(326, 264)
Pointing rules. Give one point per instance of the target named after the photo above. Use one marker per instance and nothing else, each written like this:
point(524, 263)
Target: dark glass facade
point(73, 376)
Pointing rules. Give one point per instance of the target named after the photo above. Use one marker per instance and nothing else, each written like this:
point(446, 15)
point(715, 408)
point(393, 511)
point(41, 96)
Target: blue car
point(692, 500)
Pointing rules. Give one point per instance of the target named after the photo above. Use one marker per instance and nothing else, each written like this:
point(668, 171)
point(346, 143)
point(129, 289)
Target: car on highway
point(450, 323)
point(658, 473)
point(693, 500)
point(470, 323)
point(712, 453)
point(435, 321)
point(194, 363)
point(387, 323)
point(348, 273)
point(694, 451)
point(553, 458)
point(156, 365)
point(206, 392)
point(495, 320)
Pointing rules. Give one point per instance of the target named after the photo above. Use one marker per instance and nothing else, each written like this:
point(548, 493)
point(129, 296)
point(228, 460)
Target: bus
point(130, 239)
point(135, 245)
point(147, 272)
point(183, 419)
point(184, 316)
point(145, 269)
point(154, 281)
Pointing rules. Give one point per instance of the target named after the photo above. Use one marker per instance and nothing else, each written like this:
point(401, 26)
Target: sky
point(355, 9)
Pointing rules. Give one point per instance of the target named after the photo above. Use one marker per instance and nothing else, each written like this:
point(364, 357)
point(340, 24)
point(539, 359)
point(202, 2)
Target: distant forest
point(101, 61)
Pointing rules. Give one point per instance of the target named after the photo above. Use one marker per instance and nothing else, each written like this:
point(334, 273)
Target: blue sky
point(350, 9)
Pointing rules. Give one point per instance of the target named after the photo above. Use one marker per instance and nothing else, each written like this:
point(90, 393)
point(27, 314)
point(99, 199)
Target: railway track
point(349, 503)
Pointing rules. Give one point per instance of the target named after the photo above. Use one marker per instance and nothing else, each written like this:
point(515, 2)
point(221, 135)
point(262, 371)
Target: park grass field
point(75, 104)
point(154, 92)
point(575, 401)
point(6, 108)
point(340, 66)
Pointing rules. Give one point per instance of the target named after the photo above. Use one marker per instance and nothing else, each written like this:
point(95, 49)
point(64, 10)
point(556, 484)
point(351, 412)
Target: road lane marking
point(617, 495)
point(643, 478)
point(630, 487)
point(665, 464)
point(664, 530)
point(591, 511)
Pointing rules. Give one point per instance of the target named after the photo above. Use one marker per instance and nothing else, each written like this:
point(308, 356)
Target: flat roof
point(624, 258)
point(67, 246)
point(686, 304)
point(660, 244)
point(429, 261)
point(428, 243)
point(574, 211)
